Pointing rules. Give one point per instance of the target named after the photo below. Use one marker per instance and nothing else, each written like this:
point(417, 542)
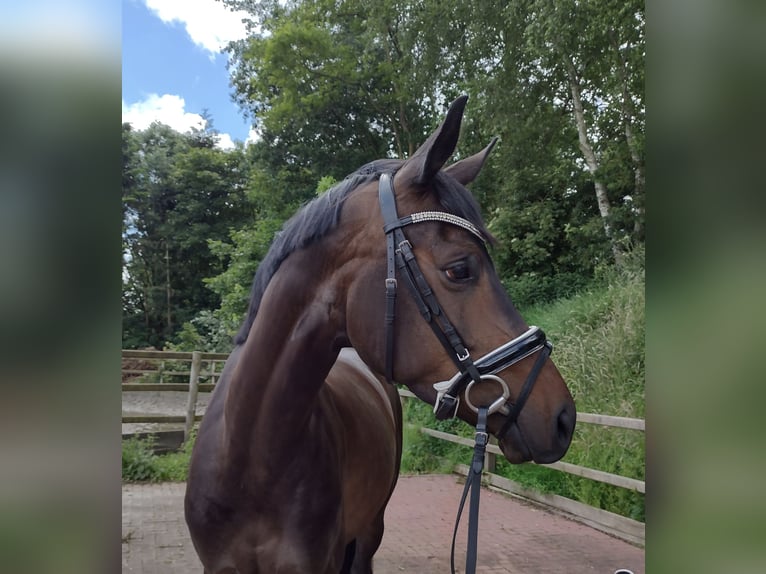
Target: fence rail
point(630, 529)
point(195, 372)
point(170, 355)
point(593, 474)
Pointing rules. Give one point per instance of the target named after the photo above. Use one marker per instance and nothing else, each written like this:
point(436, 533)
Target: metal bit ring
point(497, 404)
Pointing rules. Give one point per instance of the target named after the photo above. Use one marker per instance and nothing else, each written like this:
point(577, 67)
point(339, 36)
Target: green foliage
point(422, 453)
point(140, 464)
point(597, 49)
point(138, 461)
point(325, 183)
point(247, 248)
point(599, 337)
point(209, 331)
point(179, 192)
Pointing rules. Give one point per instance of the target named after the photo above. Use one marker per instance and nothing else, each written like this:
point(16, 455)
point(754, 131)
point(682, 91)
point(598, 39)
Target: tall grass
point(422, 453)
point(599, 350)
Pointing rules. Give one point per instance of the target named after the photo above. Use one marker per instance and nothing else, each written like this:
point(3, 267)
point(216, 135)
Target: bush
point(138, 461)
point(531, 289)
point(140, 464)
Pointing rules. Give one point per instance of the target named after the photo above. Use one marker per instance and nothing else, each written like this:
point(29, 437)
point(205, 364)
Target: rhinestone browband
point(446, 218)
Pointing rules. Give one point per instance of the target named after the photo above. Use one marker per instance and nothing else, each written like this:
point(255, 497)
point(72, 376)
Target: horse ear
point(430, 157)
point(466, 170)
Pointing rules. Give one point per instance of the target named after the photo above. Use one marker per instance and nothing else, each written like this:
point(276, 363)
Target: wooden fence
point(626, 528)
point(169, 366)
point(164, 366)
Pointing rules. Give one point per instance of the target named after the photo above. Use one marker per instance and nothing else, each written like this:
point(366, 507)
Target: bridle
point(401, 257)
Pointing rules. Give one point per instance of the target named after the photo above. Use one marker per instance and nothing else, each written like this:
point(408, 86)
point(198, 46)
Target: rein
point(472, 485)
point(400, 257)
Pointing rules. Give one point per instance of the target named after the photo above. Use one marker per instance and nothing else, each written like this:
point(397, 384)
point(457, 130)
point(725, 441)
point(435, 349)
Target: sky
point(173, 67)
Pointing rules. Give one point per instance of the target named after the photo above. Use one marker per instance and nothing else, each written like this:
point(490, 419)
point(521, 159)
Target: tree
point(331, 85)
point(178, 193)
point(595, 53)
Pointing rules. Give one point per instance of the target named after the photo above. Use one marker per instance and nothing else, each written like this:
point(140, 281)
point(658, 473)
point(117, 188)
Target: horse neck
point(291, 347)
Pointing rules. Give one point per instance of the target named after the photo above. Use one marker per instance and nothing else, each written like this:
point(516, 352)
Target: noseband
point(400, 256)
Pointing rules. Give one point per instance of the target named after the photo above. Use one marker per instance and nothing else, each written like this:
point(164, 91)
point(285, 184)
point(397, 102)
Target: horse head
point(418, 239)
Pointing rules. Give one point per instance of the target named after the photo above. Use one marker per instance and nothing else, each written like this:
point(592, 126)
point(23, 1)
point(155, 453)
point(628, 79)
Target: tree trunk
point(638, 178)
point(626, 107)
point(167, 289)
point(604, 206)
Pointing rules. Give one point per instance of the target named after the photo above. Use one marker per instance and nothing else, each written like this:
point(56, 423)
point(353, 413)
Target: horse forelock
point(454, 198)
point(318, 217)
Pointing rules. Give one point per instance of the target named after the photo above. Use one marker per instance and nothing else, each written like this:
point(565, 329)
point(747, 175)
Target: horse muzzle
point(488, 367)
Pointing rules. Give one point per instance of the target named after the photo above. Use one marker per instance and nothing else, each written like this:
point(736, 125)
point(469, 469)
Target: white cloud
point(168, 109)
point(225, 142)
point(209, 23)
point(252, 137)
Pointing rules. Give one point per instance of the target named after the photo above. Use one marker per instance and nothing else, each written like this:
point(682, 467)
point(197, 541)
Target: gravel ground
point(158, 403)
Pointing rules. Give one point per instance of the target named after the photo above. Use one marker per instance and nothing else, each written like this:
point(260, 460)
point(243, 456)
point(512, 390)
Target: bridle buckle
point(445, 403)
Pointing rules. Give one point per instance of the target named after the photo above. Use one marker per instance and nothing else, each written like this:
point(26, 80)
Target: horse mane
point(319, 216)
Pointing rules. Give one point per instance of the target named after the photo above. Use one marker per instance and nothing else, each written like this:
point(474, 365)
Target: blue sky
point(173, 67)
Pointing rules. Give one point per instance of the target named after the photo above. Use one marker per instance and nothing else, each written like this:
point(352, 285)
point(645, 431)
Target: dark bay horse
point(299, 449)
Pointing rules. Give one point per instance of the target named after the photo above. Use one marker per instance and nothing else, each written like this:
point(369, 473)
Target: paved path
point(514, 536)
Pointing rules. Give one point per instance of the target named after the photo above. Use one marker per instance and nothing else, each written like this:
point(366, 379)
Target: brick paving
point(514, 536)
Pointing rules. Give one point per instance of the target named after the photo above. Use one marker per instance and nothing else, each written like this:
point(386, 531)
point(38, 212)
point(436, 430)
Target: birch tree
point(595, 52)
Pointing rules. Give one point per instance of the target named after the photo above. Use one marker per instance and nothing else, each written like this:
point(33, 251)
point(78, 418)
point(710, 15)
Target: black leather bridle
point(401, 257)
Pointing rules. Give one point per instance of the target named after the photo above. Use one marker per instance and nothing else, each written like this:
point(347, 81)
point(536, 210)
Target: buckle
point(446, 407)
point(481, 438)
point(391, 284)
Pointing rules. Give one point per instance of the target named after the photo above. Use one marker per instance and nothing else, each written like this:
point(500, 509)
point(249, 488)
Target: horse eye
point(458, 272)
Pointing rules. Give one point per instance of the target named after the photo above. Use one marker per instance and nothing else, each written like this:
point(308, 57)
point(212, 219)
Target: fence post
point(191, 405)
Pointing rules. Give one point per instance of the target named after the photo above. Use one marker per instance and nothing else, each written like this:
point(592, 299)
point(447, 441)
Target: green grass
point(140, 464)
point(599, 350)
point(423, 454)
